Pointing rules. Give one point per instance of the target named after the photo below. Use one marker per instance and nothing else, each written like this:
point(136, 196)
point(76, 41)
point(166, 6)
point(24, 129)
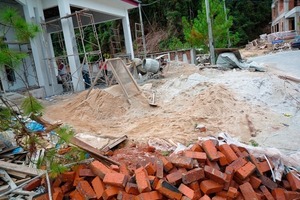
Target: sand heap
point(99, 105)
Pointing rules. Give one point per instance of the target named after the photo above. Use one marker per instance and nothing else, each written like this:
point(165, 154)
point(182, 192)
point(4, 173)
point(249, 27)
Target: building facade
point(39, 69)
point(286, 15)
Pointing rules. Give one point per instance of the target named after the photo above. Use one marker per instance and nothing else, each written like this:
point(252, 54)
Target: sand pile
point(99, 105)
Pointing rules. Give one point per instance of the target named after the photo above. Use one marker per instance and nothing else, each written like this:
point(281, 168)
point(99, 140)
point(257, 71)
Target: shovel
point(152, 103)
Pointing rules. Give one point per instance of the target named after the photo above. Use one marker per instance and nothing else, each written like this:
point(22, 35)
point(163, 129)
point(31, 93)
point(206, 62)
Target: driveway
point(287, 61)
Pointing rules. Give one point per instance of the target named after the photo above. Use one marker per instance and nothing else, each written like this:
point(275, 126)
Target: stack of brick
point(205, 171)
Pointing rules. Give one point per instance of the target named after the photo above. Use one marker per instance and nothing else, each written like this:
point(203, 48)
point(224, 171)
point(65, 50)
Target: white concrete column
point(33, 14)
point(71, 46)
point(297, 21)
point(127, 35)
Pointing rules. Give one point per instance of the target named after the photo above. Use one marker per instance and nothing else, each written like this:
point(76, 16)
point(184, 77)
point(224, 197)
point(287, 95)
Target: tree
point(250, 18)
point(196, 31)
point(11, 19)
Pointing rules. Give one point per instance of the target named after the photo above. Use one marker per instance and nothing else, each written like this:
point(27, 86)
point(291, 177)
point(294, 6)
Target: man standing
point(62, 72)
point(86, 75)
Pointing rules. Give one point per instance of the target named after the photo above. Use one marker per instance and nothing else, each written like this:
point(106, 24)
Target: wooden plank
point(115, 143)
point(16, 174)
point(21, 168)
point(93, 151)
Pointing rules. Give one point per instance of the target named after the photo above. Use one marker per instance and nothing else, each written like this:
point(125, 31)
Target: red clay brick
point(116, 168)
point(33, 184)
point(44, 196)
point(115, 179)
point(210, 149)
point(153, 181)
point(168, 190)
point(110, 192)
point(186, 191)
point(222, 194)
point(213, 164)
point(142, 180)
point(86, 172)
point(125, 196)
point(98, 186)
point(278, 193)
point(85, 189)
point(228, 152)
point(240, 162)
point(205, 197)
point(245, 171)
point(57, 182)
point(236, 150)
point(124, 169)
point(150, 168)
point(215, 174)
point(68, 176)
point(264, 166)
point(175, 177)
point(77, 178)
point(185, 198)
point(266, 192)
point(256, 163)
point(196, 147)
point(150, 195)
point(232, 192)
point(286, 184)
point(193, 175)
point(159, 168)
point(196, 187)
point(209, 187)
point(255, 182)
point(166, 163)
point(131, 188)
point(294, 181)
point(66, 187)
point(75, 195)
point(181, 161)
point(57, 195)
point(200, 156)
point(291, 195)
point(218, 198)
point(248, 192)
point(222, 159)
point(268, 182)
point(99, 169)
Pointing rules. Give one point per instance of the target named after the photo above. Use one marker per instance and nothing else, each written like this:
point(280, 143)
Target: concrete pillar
point(297, 21)
point(71, 46)
point(127, 35)
point(34, 14)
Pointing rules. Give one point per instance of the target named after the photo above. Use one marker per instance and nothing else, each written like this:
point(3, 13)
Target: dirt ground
point(247, 105)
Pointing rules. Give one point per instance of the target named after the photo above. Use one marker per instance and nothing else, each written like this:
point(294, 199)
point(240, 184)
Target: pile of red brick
point(206, 171)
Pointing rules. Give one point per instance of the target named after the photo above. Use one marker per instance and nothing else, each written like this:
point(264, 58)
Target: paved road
point(287, 61)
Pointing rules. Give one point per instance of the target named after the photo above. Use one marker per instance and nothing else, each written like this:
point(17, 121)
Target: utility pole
point(226, 19)
point(210, 33)
point(142, 27)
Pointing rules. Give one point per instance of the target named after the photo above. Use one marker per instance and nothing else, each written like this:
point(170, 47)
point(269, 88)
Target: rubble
point(208, 169)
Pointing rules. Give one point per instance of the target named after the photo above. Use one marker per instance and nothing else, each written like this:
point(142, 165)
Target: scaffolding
point(91, 56)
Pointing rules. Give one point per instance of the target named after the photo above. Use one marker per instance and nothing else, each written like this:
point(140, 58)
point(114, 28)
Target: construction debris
point(208, 169)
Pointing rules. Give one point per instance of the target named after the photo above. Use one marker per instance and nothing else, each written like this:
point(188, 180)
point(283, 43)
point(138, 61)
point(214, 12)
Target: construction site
point(161, 125)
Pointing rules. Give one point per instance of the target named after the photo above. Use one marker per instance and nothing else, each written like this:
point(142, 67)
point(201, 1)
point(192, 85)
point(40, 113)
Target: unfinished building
point(285, 15)
point(67, 19)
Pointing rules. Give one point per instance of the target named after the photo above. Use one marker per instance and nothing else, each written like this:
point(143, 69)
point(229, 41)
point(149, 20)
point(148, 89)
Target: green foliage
point(250, 18)
point(11, 19)
point(56, 169)
point(196, 31)
point(172, 43)
point(5, 118)
point(65, 133)
point(31, 105)
point(254, 143)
